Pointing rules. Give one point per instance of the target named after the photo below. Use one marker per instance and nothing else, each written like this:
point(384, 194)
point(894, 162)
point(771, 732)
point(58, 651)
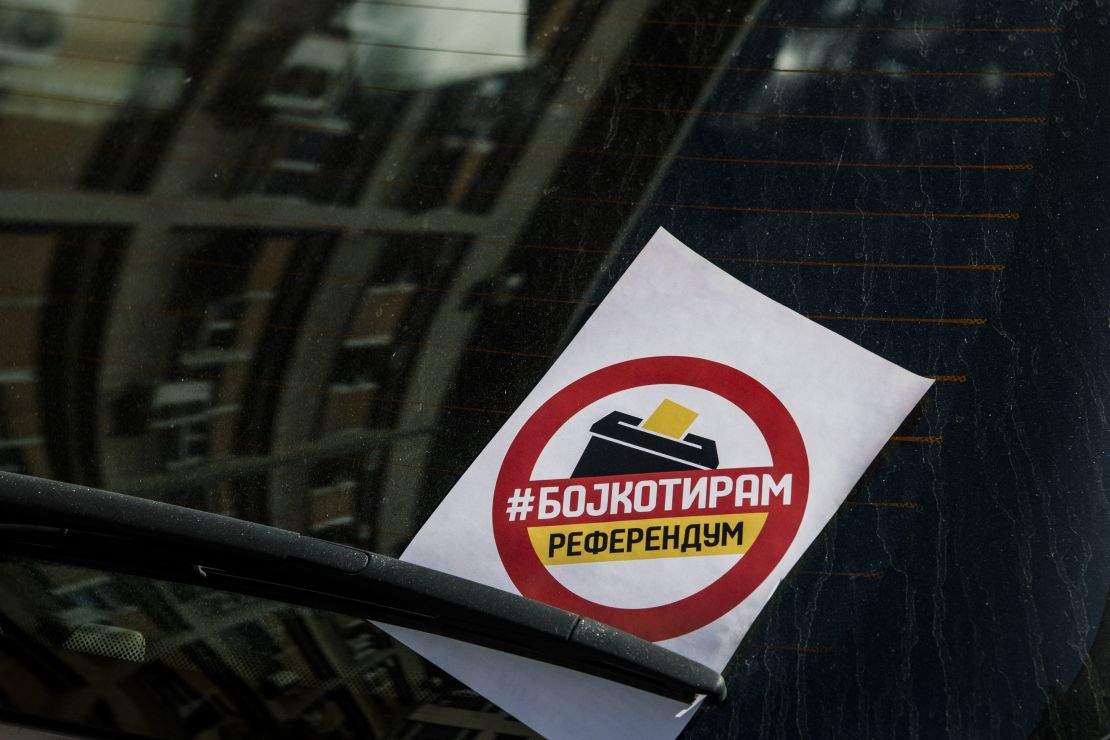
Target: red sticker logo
point(644, 488)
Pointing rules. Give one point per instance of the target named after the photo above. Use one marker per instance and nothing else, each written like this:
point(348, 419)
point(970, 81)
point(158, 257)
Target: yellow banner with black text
point(642, 539)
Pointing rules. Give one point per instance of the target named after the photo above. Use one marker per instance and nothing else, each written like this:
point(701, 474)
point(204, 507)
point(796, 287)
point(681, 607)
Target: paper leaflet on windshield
point(663, 477)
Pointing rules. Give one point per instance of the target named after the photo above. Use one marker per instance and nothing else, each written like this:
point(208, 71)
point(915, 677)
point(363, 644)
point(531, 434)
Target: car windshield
point(167, 660)
point(297, 262)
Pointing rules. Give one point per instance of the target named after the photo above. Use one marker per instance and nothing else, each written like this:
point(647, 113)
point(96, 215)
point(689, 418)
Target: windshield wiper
point(50, 520)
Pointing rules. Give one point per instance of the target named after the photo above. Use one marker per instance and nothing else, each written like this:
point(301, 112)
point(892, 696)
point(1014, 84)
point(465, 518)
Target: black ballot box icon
point(619, 446)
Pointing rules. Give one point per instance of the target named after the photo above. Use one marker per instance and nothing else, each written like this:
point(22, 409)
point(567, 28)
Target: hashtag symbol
point(520, 503)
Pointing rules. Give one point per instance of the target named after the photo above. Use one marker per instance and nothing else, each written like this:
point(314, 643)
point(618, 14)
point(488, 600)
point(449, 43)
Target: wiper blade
point(51, 520)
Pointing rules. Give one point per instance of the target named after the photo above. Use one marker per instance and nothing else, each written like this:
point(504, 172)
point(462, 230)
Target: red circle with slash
point(692, 612)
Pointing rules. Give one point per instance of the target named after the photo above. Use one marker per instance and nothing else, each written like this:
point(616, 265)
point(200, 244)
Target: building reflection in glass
point(257, 234)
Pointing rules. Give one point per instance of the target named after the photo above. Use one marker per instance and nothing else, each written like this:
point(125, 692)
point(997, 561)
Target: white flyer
point(663, 477)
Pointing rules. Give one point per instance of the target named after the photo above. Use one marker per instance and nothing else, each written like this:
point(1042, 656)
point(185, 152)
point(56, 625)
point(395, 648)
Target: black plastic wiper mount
point(56, 521)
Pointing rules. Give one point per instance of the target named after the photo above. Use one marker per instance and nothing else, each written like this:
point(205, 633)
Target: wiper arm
point(50, 520)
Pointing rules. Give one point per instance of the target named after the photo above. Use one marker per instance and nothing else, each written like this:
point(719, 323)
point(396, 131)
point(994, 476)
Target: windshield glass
point(296, 262)
point(167, 660)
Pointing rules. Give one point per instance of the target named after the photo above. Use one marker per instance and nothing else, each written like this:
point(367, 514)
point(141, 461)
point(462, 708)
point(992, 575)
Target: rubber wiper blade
point(51, 520)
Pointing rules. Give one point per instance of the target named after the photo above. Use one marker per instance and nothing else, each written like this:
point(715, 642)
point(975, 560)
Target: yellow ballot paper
point(662, 477)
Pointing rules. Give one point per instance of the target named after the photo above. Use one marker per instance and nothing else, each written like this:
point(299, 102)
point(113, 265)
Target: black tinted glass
point(296, 262)
point(166, 660)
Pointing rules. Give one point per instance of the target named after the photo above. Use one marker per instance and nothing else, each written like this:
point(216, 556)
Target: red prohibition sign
point(663, 622)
